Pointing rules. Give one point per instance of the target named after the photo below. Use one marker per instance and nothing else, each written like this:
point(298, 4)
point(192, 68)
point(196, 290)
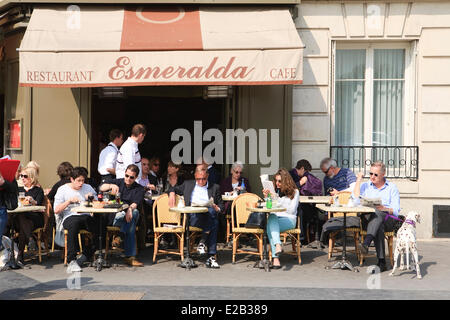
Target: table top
point(264, 209)
point(27, 209)
point(189, 209)
point(228, 198)
point(358, 209)
point(83, 209)
point(315, 199)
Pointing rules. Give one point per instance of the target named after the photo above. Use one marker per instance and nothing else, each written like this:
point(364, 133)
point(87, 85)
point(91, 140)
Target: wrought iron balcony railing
point(402, 162)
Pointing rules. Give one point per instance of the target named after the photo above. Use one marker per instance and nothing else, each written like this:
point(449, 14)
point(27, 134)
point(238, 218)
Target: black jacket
point(8, 189)
point(187, 187)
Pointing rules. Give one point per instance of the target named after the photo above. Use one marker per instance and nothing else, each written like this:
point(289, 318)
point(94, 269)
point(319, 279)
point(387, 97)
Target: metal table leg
point(187, 263)
point(265, 262)
point(100, 262)
point(12, 264)
point(344, 263)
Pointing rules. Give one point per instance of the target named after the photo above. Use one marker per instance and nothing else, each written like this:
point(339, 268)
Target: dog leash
point(408, 221)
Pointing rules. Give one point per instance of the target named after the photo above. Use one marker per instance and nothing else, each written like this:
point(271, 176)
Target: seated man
point(200, 191)
point(336, 179)
point(67, 197)
point(377, 187)
point(131, 193)
point(308, 185)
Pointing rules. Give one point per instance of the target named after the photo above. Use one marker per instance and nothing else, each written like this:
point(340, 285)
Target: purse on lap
point(256, 220)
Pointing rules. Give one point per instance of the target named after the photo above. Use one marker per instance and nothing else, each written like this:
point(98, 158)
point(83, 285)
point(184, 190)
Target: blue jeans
point(275, 225)
point(3, 221)
point(129, 229)
point(209, 222)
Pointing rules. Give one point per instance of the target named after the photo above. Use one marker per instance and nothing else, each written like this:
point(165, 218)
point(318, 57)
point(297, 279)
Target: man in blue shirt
point(378, 187)
point(336, 179)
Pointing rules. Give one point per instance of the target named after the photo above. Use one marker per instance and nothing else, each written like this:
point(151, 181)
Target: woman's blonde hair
point(288, 186)
point(33, 164)
point(31, 172)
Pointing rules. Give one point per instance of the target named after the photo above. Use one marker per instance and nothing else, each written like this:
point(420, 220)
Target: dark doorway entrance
point(162, 110)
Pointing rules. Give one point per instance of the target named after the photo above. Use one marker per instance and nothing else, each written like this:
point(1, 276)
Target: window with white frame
point(373, 114)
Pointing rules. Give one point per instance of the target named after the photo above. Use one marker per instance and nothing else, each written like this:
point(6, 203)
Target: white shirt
point(128, 154)
point(291, 206)
point(200, 194)
point(107, 158)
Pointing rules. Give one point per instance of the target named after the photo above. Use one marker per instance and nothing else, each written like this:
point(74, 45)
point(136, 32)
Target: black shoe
point(363, 248)
point(275, 267)
point(382, 266)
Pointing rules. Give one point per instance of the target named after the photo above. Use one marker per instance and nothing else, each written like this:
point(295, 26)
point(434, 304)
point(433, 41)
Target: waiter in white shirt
point(129, 152)
point(108, 156)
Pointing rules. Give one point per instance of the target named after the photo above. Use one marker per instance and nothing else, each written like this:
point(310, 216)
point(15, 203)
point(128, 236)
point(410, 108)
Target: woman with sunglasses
point(279, 222)
point(27, 222)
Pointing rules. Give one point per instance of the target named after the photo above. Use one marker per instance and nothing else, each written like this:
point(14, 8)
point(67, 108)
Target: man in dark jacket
point(200, 191)
point(6, 189)
point(131, 193)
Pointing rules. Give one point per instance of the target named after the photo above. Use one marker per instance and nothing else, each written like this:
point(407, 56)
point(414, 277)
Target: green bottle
point(269, 202)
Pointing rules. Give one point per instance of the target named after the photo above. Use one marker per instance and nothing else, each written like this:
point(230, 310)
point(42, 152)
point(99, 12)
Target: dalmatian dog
point(406, 243)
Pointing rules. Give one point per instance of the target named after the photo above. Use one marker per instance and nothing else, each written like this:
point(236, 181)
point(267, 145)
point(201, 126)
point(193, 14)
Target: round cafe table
point(188, 263)
point(265, 263)
point(100, 262)
point(344, 263)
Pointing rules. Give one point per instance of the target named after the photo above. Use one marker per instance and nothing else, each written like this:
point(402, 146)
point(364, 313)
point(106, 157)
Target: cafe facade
point(355, 80)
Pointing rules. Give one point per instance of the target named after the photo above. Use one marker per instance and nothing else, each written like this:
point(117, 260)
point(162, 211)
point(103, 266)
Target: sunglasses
point(131, 177)
point(373, 174)
point(24, 176)
point(278, 180)
point(238, 172)
point(200, 179)
point(326, 172)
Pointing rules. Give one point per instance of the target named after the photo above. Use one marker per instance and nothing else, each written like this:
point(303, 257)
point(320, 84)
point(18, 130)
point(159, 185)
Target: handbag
point(256, 220)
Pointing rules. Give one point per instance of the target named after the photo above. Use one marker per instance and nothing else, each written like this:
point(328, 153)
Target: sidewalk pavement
point(310, 280)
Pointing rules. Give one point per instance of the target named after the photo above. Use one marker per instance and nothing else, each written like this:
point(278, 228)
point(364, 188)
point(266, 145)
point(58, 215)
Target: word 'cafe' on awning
point(87, 69)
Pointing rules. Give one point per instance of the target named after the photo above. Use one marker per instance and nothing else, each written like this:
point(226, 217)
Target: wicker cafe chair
point(83, 232)
point(343, 198)
point(294, 236)
point(41, 233)
point(239, 216)
point(114, 231)
point(388, 236)
point(163, 216)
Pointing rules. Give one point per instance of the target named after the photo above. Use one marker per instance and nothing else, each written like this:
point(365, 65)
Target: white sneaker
point(201, 249)
point(212, 263)
point(73, 267)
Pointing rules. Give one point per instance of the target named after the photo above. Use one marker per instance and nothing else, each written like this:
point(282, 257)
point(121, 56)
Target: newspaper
point(172, 226)
point(370, 202)
point(208, 204)
point(267, 184)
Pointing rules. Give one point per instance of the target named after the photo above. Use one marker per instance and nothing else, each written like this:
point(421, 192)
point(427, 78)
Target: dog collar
point(411, 222)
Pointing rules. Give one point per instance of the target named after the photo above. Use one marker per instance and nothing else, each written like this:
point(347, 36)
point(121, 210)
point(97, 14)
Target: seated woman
point(27, 222)
point(172, 177)
point(235, 181)
point(64, 172)
point(281, 221)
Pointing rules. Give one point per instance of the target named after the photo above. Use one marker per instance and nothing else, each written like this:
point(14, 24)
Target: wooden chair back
point(343, 198)
point(239, 212)
point(162, 214)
